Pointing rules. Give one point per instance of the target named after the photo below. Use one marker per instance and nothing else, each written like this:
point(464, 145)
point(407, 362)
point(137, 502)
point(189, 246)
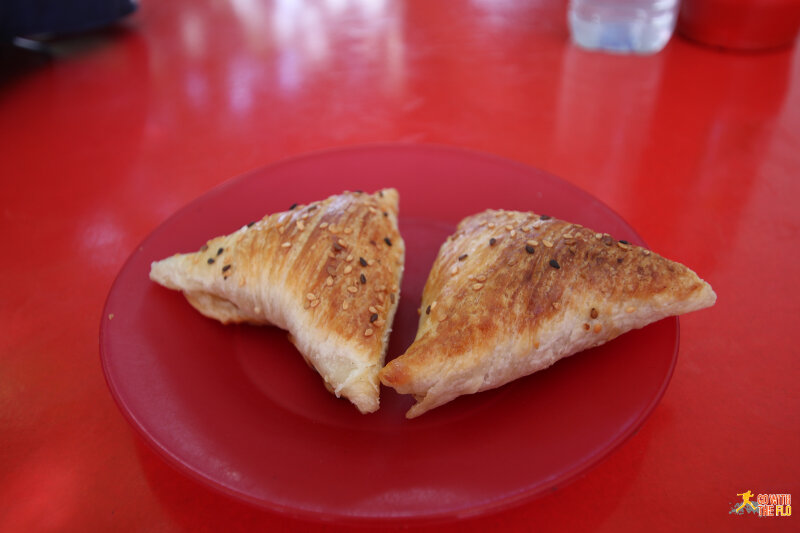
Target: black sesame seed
point(619, 260)
point(204, 248)
point(385, 214)
point(251, 224)
point(373, 243)
point(337, 246)
point(387, 240)
point(624, 242)
point(545, 217)
point(492, 241)
point(554, 263)
point(210, 260)
point(293, 206)
point(428, 310)
point(462, 257)
point(226, 268)
point(362, 261)
point(363, 279)
point(373, 317)
point(220, 251)
point(530, 249)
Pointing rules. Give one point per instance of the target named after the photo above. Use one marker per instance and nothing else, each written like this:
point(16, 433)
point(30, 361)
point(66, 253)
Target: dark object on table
point(26, 18)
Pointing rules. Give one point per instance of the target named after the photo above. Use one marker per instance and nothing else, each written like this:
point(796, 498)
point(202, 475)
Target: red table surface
point(698, 149)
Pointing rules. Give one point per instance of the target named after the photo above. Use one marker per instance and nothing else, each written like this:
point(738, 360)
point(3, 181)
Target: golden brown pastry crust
point(328, 272)
point(510, 293)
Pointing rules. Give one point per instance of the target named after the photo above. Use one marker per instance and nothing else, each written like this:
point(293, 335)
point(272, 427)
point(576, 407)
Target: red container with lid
point(740, 24)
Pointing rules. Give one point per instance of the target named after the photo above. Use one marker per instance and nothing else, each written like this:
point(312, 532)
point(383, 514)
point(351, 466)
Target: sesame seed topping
point(323, 225)
point(368, 332)
point(371, 262)
point(454, 270)
point(554, 263)
point(428, 310)
point(547, 243)
point(480, 278)
point(544, 217)
point(556, 306)
point(380, 308)
point(490, 225)
point(387, 241)
point(630, 309)
point(286, 244)
point(646, 252)
point(513, 233)
point(622, 245)
point(624, 241)
point(314, 303)
point(311, 296)
point(292, 207)
point(532, 242)
point(378, 323)
point(509, 227)
point(385, 214)
point(210, 260)
point(204, 248)
point(462, 257)
point(482, 223)
point(348, 269)
point(330, 270)
point(329, 281)
point(352, 288)
point(304, 216)
point(220, 251)
point(341, 243)
point(492, 241)
point(512, 262)
point(373, 317)
point(337, 247)
point(363, 279)
point(433, 305)
point(477, 286)
point(395, 288)
point(251, 224)
point(348, 231)
point(345, 305)
point(443, 318)
point(349, 258)
point(372, 309)
point(593, 313)
point(333, 229)
point(226, 268)
point(471, 277)
point(598, 235)
point(362, 261)
point(530, 249)
point(300, 225)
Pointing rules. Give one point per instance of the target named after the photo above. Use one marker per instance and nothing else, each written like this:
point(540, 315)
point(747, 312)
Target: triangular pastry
point(511, 293)
point(328, 272)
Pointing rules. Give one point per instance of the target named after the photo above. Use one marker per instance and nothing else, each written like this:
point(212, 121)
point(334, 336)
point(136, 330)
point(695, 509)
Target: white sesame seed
point(547, 243)
point(532, 242)
point(345, 305)
point(314, 303)
point(368, 332)
point(454, 270)
point(286, 244)
point(490, 225)
point(630, 309)
point(348, 269)
point(329, 281)
point(300, 225)
point(372, 309)
point(348, 231)
point(433, 305)
point(311, 296)
point(341, 243)
point(323, 225)
point(378, 323)
point(477, 286)
point(348, 258)
point(352, 289)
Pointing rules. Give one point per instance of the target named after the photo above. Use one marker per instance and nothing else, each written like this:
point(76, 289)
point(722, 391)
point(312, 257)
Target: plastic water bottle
point(622, 26)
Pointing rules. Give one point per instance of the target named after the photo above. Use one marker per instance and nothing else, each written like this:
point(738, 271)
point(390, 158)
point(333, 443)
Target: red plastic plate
point(236, 407)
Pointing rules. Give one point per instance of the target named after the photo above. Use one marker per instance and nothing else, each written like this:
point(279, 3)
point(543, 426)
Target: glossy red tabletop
point(112, 132)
